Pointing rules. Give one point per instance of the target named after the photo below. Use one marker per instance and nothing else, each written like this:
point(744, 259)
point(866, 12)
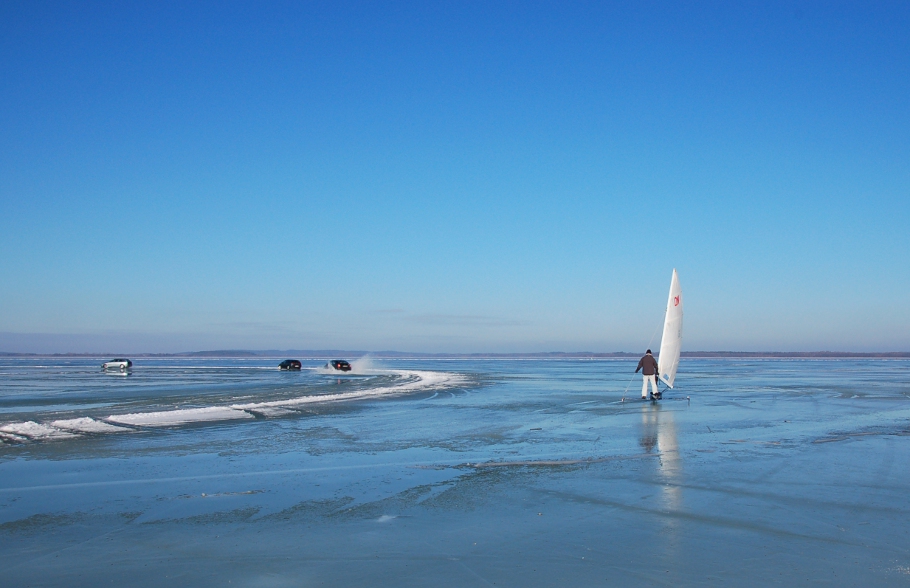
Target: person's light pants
point(644, 385)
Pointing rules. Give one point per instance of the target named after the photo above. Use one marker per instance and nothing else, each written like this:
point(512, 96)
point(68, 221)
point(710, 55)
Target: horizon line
point(389, 354)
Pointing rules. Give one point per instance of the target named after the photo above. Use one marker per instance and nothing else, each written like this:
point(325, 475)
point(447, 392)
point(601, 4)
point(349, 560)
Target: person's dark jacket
point(647, 365)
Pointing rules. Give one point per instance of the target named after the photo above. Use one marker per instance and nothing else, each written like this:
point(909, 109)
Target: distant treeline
point(340, 353)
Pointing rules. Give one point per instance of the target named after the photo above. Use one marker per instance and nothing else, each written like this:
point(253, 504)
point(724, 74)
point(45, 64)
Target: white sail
point(671, 342)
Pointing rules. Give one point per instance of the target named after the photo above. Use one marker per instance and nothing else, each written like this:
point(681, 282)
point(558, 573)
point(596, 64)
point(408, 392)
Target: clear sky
point(453, 177)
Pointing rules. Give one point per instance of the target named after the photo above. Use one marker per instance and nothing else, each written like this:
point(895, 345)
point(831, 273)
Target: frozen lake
point(460, 473)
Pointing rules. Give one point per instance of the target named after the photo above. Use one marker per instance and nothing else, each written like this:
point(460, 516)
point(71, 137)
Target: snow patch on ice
point(408, 381)
point(87, 425)
point(34, 430)
point(416, 380)
point(182, 416)
point(10, 437)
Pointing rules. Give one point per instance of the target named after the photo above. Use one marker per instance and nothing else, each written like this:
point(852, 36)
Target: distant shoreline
point(336, 353)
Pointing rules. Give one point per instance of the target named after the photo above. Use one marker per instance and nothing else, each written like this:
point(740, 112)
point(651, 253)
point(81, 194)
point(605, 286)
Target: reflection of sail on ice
point(671, 342)
point(658, 431)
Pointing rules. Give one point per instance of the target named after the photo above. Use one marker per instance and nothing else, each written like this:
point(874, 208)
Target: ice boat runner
point(671, 341)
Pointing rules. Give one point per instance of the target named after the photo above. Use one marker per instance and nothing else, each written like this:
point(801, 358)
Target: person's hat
point(648, 351)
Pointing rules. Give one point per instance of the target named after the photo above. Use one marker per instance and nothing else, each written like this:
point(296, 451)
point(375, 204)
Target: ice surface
point(271, 411)
point(414, 381)
point(525, 473)
point(402, 382)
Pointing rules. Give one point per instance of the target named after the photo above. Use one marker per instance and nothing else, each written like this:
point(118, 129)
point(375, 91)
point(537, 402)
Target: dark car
point(290, 364)
point(341, 365)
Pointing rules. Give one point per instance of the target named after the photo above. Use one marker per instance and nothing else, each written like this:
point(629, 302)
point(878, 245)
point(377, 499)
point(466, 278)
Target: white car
point(119, 364)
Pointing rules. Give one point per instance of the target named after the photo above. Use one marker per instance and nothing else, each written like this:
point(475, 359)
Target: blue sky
point(453, 177)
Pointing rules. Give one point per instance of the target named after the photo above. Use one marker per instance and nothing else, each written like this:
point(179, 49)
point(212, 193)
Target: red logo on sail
point(676, 301)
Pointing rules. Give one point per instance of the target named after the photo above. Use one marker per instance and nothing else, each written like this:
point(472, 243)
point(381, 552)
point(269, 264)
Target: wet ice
point(522, 473)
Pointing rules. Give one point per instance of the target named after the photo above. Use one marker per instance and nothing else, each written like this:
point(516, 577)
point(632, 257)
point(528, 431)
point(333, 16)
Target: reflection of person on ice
point(648, 367)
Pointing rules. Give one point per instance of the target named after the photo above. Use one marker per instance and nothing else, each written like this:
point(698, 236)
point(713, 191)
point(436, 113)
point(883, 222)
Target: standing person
point(648, 367)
